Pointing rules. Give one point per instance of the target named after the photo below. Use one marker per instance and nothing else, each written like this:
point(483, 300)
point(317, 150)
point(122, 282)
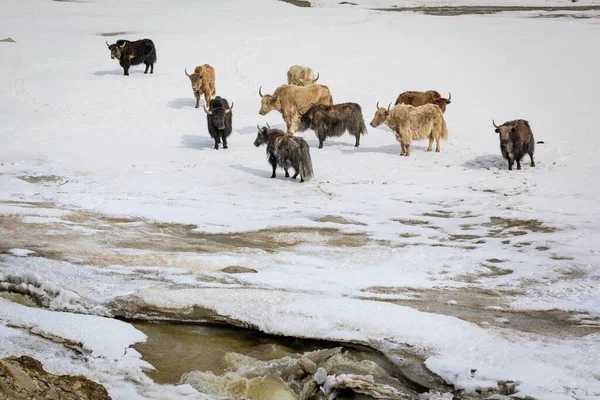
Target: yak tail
point(306, 169)
point(444, 132)
point(362, 128)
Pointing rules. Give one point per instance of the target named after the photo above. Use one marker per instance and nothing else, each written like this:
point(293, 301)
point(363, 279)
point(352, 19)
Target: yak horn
point(268, 125)
point(258, 127)
point(449, 97)
point(389, 107)
point(186, 72)
point(495, 126)
point(260, 91)
point(108, 45)
point(123, 45)
point(317, 78)
point(229, 109)
point(377, 105)
point(207, 111)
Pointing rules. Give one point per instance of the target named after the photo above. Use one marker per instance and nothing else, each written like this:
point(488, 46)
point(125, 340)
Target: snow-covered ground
point(82, 144)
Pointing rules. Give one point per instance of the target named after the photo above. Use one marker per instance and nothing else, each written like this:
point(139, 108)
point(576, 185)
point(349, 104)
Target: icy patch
point(20, 252)
point(44, 292)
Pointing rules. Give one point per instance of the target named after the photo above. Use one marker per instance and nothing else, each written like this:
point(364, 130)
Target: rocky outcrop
point(23, 378)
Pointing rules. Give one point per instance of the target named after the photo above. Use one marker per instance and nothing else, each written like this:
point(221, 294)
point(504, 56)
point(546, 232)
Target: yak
point(292, 101)
point(413, 123)
point(334, 120)
point(286, 151)
point(417, 99)
point(218, 118)
point(516, 139)
point(133, 53)
point(301, 76)
point(203, 82)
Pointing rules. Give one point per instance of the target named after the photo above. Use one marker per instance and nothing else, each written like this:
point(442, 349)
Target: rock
point(320, 376)
point(8, 40)
point(236, 269)
point(24, 378)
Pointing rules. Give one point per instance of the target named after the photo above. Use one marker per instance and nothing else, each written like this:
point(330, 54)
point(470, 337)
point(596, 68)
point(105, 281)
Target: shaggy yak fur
point(516, 139)
point(133, 53)
point(417, 99)
point(413, 123)
point(301, 76)
point(218, 118)
point(203, 82)
point(286, 151)
point(292, 101)
point(334, 120)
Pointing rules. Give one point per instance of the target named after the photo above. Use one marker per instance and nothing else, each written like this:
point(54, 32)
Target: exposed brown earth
point(24, 378)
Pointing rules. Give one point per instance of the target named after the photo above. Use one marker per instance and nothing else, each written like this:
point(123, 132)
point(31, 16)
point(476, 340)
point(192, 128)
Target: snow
point(135, 147)
point(20, 252)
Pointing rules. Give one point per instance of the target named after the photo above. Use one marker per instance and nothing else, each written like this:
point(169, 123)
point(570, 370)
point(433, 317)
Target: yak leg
point(273, 162)
point(407, 146)
point(518, 164)
point(197, 96)
point(296, 174)
point(207, 97)
point(431, 143)
point(217, 141)
point(531, 158)
point(321, 140)
point(510, 164)
point(357, 143)
point(147, 66)
point(152, 68)
point(437, 145)
point(126, 64)
point(224, 140)
point(287, 174)
point(403, 150)
point(289, 123)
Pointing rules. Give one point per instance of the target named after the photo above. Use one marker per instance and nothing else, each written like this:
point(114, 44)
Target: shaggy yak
point(334, 120)
point(292, 101)
point(413, 123)
point(516, 139)
point(417, 99)
point(286, 151)
point(218, 118)
point(301, 76)
point(203, 82)
point(133, 53)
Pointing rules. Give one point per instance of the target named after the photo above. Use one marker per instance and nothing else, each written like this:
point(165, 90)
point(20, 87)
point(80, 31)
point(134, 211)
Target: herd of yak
point(304, 104)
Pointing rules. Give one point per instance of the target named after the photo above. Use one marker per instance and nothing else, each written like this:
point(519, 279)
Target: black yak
point(516, 140)
point(133, 53)
point(286, 151)
point(334, 120)
point(218, 118)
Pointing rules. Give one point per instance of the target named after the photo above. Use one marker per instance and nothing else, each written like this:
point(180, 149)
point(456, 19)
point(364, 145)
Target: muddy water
point(176, 349)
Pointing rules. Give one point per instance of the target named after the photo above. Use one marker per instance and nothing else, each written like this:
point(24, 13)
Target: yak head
point(262, 137)
point(116, 49)
point(442, 102)
point(218, 114)
point(195, 79)
point(268, 103)
point(308, 80)
point(505, 131)
point(381, 116)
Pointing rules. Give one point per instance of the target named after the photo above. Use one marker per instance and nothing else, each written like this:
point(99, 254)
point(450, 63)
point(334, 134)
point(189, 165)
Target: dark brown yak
point(286, 151)
point(334, 120)
point(133, 53)
point(417, 99)
point(516, 140)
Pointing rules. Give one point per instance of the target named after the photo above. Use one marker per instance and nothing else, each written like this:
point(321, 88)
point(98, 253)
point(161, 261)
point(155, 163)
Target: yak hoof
point(357, 145)
point(437, 150)
point(225, 146)
point(301, 180)
point(532, 164)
